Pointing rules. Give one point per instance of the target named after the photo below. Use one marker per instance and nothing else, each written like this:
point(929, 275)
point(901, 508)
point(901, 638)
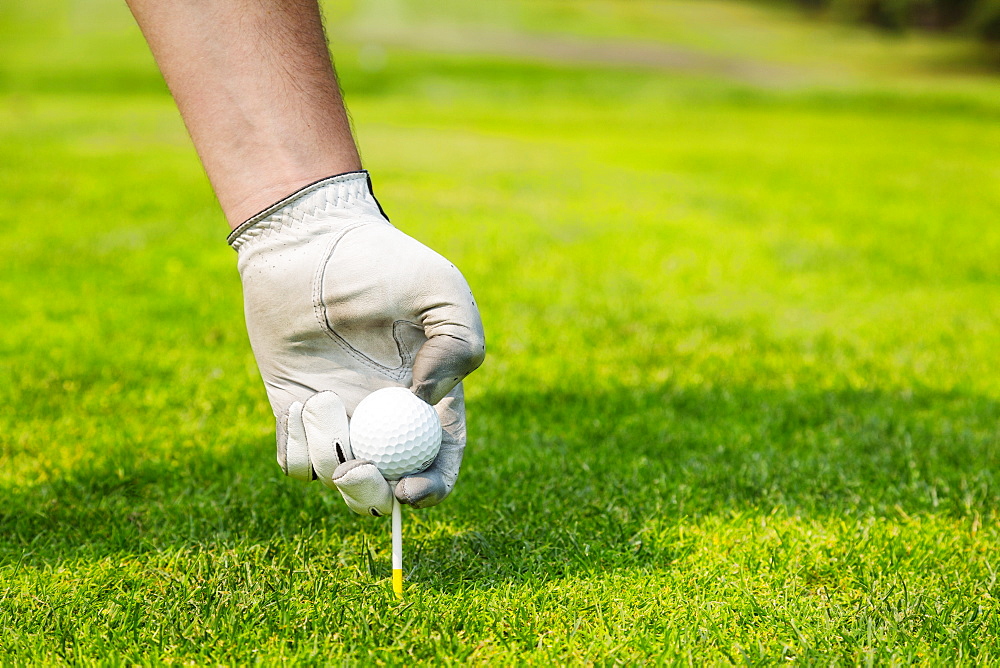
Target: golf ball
point(397, 431)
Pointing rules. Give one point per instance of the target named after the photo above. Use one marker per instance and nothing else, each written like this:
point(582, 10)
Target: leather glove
point(339, 303)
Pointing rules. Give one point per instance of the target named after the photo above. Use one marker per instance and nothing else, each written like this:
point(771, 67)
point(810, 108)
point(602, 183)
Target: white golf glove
point(339, 303)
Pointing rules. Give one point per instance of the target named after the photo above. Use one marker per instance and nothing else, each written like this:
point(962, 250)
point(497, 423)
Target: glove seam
point(405, 354)
point(319, 311)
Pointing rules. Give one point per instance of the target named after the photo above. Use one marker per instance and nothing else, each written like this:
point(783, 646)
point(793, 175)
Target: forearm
point(255, 85)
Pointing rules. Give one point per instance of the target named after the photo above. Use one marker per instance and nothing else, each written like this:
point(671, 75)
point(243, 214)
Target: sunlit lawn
point(741, 401)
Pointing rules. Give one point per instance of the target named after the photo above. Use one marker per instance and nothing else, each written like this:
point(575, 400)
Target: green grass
point(741, 402)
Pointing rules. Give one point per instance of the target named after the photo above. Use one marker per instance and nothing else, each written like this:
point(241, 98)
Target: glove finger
point(293, 451)
point(324, 419)
point(364, 489)
point(431, 486)
point(455, 345)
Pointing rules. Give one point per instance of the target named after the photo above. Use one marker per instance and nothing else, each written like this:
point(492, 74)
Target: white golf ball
point(397, 431)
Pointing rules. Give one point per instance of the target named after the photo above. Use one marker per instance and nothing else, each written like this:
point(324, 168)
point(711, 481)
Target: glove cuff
point(329, 193)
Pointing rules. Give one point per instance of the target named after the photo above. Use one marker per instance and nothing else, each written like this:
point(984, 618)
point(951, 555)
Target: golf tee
point(397, 549)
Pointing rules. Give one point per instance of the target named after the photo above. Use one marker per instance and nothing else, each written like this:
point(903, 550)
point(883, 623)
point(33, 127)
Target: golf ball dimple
point(397, 431)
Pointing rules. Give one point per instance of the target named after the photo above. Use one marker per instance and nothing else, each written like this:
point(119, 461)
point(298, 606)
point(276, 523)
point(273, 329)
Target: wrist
point(350, 193)
point(253, 195)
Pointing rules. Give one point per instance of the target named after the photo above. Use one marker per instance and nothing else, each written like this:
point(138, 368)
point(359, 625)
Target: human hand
point(339, 303)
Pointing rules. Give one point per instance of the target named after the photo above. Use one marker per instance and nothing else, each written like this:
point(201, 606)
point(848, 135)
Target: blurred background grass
point(738, 269)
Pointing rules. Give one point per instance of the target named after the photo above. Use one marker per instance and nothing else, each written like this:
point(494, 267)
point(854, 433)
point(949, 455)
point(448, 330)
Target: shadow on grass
point(574, 484)
point(555, 484)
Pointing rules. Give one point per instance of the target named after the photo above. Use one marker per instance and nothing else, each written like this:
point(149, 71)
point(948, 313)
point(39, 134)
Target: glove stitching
point(281, 428)
point(405, 354)
point(305, 435)
point(319, 310)
point(251, 227)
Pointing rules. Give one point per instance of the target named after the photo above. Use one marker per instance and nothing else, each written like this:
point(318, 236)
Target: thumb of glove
point(364, 489)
